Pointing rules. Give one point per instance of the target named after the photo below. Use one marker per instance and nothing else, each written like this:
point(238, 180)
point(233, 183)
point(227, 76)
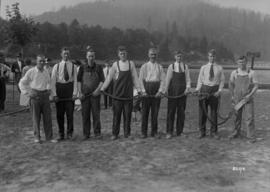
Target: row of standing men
point(66, 83)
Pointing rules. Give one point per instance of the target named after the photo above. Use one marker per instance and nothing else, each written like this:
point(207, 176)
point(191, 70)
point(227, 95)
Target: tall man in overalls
point(90, 80)
point(210, 81)
point(64, 86)
point(177, 83)
point(152, 79)
point(125, 78)
point(243, 85)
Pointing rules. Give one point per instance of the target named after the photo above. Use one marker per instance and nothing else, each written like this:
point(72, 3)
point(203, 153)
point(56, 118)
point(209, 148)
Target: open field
point(183, 164)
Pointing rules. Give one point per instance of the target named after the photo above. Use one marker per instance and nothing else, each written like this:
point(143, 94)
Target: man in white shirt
point(210, 81)
point(177, 83)
point(64, 86)
point(152, 79)
point(37, 85)
point(125, 77)
point(243, 85)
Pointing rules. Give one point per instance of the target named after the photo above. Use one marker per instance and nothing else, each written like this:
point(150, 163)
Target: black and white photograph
point(134, 96)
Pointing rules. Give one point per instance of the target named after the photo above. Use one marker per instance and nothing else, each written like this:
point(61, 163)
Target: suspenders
point(119, 67)
point(179, 67)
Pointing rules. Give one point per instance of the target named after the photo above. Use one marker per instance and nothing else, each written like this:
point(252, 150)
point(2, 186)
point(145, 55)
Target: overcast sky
point(34, 7)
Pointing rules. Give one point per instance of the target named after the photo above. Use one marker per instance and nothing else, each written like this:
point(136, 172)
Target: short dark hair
point(178, 52)
point(122, 48)
point(64, 49)
point(212, 52)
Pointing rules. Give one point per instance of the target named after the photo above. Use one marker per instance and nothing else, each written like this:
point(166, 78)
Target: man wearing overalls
point(243, 85)
point(125, 78)
point(64, 86)
point(90, 80)
point(177, 83)
point(211, 82)
point(152, 79)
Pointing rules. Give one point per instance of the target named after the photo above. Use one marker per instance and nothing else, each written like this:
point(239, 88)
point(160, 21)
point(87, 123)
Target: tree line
point(22, 33)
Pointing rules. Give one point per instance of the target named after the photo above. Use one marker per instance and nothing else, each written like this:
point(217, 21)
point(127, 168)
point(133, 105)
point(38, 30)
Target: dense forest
point(51, 37)
point(239, 30)
point(194, 26)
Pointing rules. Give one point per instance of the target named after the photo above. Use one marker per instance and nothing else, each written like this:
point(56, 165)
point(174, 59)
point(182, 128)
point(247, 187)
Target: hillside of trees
point(51, 37)
point(239, 30)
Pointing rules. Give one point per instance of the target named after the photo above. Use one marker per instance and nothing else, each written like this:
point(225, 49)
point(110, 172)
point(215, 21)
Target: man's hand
point(55, 98)
point(247, 98)
point(17, 71)
point(217, 94)
point(96, 93)
point(159, 94)
point(196, 92)
point(187, 91)
point(144, 94)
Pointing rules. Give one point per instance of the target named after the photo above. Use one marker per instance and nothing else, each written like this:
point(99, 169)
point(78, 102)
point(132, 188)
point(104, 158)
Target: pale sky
point(34, 7)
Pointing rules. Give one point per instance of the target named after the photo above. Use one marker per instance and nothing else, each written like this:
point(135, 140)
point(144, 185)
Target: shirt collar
point(37, 70)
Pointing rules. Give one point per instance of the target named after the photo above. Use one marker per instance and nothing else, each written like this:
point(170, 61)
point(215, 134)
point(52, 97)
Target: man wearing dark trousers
point(64, 86)
point(17, 68)
point(210, 81)
point(177, 83)
point(152, 79)
point(125, 78)
point(90, 80)
point(36, 83)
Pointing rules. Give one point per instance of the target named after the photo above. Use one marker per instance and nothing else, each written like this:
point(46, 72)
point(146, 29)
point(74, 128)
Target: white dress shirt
point(35, 79)
point(59, 76)
point(152, 72)
point(218, 79)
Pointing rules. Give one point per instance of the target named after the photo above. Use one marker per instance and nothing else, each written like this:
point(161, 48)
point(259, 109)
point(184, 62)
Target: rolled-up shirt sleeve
point(24, 83)
point(222, 79)
point(188, 80)
point(200, 79)
point(53, 80)
point(109, 78)
point(162, 80)
point(135, 77)
point(75, 84)
point(168, 78)
point(142, 77)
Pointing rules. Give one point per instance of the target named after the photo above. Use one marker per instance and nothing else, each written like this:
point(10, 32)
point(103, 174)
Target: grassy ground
point(135, 165)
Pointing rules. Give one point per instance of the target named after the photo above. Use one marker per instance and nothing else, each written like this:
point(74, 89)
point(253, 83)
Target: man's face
point(178, 58)
point(242, 63)
point(152, 54)
point(40, 62)
point(211, 57)
point(90, 56)
point(65, 55)
point(122, 55)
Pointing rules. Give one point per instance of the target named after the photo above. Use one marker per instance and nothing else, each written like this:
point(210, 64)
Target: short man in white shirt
point(64, 86)
point(243, 85)
point(36, 83)
point(125, 77)
point(152, 79)
point(210, 81)
point(177, 83)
